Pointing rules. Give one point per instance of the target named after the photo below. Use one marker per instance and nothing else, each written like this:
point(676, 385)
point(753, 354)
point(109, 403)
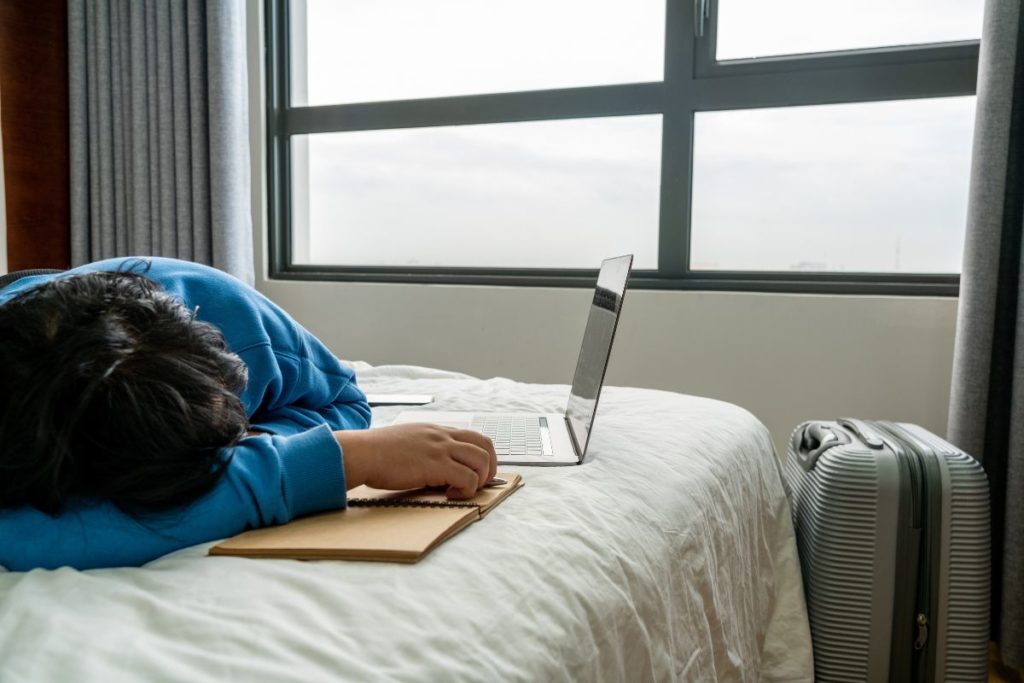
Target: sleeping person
point(147, 405)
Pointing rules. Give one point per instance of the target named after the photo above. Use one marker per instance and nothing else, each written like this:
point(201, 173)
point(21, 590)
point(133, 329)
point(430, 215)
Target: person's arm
point(296, 383)
point(288, 393)
point(270, 480)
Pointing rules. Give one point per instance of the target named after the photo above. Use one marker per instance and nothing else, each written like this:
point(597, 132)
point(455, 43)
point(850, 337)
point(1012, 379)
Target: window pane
point(551, 194)
point(756, 28)
point(374, 50)
point(876, 187)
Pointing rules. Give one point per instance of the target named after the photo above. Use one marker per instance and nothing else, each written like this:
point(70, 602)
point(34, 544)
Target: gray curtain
point(159, 131)
point(987, 407)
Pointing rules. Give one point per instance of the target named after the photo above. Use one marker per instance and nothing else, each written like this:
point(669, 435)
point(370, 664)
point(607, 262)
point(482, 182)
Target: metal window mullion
point(538, 105)
point(879, 57)
point(676, 141)
point(278, 157)
point(833, 86)
point(818, 283)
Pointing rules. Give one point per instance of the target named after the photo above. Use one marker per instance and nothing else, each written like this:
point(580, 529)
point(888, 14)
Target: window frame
point(693, 81)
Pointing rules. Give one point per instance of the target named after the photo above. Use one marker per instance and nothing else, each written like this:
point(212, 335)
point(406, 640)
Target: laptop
point(554, 438)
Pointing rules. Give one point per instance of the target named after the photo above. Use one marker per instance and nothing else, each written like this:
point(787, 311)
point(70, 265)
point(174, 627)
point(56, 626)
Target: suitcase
point(892, 527)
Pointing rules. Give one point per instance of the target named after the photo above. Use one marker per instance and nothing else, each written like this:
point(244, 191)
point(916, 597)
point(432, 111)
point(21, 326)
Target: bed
point(668, 555)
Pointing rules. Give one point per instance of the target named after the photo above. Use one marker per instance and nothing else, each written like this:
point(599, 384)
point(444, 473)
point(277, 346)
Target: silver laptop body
point(554, 438)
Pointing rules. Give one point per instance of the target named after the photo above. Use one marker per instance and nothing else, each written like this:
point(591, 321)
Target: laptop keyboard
point(511, 434)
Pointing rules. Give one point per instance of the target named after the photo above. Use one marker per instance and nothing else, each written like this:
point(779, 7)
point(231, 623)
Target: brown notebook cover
point(390, 526)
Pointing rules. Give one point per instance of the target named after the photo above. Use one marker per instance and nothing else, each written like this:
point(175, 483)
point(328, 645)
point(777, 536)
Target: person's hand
point(413, 455)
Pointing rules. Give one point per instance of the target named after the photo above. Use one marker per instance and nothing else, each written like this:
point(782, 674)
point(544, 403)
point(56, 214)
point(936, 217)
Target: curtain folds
point(159, 131)
point(987, 403)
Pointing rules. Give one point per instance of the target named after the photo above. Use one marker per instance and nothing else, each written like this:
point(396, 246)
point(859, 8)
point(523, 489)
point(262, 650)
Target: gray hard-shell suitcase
point(892, 526)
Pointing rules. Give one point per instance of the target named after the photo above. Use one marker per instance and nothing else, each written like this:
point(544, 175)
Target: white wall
point(783, 357)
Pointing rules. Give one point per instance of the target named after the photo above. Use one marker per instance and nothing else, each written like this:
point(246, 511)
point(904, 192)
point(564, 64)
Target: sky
point(871, 187)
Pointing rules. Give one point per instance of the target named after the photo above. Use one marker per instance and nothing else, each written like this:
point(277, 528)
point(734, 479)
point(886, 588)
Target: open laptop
point(554, 439)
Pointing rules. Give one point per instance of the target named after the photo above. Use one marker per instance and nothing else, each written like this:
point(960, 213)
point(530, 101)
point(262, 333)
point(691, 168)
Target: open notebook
point(389, 526)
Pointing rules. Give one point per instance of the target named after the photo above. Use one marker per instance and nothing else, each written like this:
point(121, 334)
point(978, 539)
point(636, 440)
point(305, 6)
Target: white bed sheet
point(668, 555)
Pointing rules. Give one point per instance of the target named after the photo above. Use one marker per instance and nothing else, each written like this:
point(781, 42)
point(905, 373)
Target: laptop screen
point(597, 347)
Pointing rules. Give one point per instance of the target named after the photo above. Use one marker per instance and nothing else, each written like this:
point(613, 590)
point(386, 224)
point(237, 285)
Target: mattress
point(668, 555)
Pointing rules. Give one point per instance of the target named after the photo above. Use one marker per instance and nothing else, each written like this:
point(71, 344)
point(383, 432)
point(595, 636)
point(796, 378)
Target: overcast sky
point(878, 186)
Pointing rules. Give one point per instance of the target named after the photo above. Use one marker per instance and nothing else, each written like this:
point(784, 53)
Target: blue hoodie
point(297, 392)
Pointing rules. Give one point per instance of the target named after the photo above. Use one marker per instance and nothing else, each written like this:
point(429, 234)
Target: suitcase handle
point(813, 440)
point(866, 434)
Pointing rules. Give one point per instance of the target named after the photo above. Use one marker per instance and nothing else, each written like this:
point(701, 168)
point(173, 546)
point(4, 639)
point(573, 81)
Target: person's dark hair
point(109, 389)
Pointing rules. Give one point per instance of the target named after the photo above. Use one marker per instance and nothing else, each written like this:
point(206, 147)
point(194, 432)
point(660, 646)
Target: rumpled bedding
point(668, 555)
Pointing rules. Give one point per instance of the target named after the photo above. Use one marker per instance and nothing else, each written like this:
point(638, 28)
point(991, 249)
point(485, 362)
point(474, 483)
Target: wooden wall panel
point(34, 121)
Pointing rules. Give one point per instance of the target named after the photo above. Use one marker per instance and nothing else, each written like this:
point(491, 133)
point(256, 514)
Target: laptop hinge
point(572, 437)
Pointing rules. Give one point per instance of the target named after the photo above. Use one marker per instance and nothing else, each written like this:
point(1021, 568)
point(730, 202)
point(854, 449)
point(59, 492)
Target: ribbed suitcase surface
point(892, 526)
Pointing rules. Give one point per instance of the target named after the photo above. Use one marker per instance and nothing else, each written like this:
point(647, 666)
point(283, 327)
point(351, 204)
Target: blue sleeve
point(270, 480)
point(297, 391)
point(295, 382)
point(289, 392)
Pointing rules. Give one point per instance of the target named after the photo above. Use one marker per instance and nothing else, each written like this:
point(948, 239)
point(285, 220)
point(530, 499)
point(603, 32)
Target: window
point(485, 196)
point(728, 145)
point(832, 188)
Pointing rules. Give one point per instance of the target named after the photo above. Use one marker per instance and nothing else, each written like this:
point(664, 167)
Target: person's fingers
point(479, 439)
point(475, 438)
point(475, 458)
point(492, 464)
point(462, 481)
